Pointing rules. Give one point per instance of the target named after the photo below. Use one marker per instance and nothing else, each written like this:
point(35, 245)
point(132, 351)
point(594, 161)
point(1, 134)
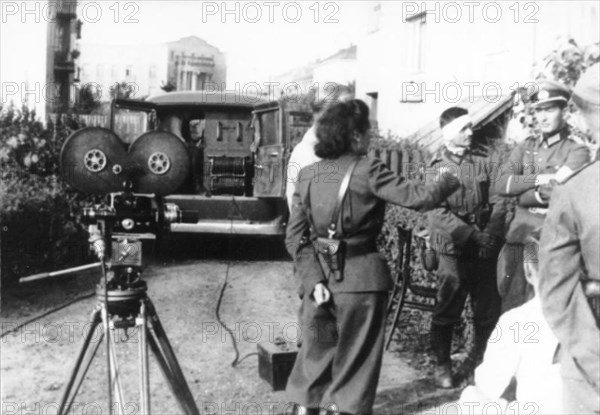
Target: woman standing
point(342, 315)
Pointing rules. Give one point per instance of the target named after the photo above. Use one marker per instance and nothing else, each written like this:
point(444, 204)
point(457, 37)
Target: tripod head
point(117, 229)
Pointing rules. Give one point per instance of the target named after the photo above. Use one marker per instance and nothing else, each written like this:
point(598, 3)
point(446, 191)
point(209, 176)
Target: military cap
point(550, 92)
point(587, 90)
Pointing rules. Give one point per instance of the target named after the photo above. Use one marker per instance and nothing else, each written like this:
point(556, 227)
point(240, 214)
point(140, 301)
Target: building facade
point(193, 64)
point(416, 59)
point(62, 35)
point(188, 64)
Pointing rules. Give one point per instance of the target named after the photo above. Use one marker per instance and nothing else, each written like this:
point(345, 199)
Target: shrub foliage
point(38, 220)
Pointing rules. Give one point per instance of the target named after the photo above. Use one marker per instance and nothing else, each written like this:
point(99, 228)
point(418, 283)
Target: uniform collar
point(559, 135)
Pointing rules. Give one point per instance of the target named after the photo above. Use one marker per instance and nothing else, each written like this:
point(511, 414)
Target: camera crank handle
point(45, 275)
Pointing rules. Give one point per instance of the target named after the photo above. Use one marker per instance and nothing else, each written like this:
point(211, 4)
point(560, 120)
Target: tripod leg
point(85, 357)
point(116, 382)
point(175, 385)
point(144, 373)
point(186, 399)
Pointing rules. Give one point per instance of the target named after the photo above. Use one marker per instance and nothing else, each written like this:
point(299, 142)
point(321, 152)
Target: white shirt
point(522, 345)
point(302, 155)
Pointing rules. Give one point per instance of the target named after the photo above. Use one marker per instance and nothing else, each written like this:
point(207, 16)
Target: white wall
point(463, 58)
point(139, 58)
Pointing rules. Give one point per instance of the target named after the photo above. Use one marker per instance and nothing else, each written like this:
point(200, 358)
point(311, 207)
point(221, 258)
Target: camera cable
point(236, 360)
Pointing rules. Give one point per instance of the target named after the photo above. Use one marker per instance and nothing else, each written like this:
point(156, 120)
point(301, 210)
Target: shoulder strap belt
point(340, 198)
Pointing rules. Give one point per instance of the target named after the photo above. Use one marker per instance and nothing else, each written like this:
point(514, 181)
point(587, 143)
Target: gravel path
point(259, 304)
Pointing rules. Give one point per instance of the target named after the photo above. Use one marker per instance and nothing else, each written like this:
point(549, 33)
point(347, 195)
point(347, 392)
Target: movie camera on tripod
point(134, 179)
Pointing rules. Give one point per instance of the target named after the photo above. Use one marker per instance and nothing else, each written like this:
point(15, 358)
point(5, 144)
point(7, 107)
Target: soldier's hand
point(545, 191)
point(488, 245)
point(543, 179)
point(483, 239)
point(321, 294)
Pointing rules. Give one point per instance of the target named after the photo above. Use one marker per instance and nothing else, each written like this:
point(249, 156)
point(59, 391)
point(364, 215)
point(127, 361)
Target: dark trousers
point(461, 276)
point(513, 288)
point(339, 361)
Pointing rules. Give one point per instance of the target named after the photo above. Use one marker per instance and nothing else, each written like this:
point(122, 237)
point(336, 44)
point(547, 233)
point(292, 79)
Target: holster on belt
point(332, 249)
point(333, 253)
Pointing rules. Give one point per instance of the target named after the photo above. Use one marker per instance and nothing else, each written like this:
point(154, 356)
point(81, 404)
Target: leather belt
point(362, 249)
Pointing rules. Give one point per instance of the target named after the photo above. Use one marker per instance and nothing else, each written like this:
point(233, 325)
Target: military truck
point(237, 146)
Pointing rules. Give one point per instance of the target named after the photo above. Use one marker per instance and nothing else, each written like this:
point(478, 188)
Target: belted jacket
point(534, 156)
point(475, 206)
point(372, 185)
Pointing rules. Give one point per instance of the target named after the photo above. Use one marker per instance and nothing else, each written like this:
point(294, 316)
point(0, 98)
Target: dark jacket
point(534, 156)
point(372, 185)
point(463, 212)
point(569, 250)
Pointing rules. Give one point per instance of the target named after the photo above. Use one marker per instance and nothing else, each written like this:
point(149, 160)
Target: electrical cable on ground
point(236, 360)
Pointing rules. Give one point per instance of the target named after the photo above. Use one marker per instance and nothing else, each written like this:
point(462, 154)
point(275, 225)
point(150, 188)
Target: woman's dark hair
point(336, 126)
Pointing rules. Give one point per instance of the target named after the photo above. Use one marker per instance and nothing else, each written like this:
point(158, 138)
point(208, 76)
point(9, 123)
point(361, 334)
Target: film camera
point(134, 180)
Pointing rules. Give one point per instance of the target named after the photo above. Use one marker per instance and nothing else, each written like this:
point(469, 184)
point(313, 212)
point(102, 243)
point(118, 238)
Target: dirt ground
point(259, 304)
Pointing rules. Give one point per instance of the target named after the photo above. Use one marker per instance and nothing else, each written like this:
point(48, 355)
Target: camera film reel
point(91, 160)
point(95, 160)
point(163, 160)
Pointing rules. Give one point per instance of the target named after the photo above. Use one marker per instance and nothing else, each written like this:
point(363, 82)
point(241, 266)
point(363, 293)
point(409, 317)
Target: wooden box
point(275, 363)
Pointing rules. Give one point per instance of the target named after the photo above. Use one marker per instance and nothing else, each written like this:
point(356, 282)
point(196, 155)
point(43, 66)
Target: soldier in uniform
point(343, 318)
point(570, 269)
point(527, 175)
point(466, 233)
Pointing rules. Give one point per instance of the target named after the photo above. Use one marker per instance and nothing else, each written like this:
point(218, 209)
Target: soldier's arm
point(298, 225)
point(444, 221)
point(561, 267)
point(388, 186)
point(532, 198)
point(511, 181)
point(578, 156)
point(497, 220)
point(306, 267)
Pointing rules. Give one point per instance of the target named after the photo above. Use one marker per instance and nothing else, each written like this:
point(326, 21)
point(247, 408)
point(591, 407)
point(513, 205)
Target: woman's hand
point(321, 294)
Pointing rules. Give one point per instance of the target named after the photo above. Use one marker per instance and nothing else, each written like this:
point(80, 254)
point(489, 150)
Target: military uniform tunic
point(534, 156)
point(342, 341)
point(461, 270)
point(569, 250)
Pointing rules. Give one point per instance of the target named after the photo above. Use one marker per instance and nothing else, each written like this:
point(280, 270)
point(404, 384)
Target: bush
point(40, 229)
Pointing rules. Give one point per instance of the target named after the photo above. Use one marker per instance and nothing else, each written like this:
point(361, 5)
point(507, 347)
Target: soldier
point(569, 265)
point(527, 176)
point(466, 234)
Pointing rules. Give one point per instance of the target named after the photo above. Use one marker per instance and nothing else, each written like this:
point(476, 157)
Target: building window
point(416, 38)
point(114, 72)
point(152, 72)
